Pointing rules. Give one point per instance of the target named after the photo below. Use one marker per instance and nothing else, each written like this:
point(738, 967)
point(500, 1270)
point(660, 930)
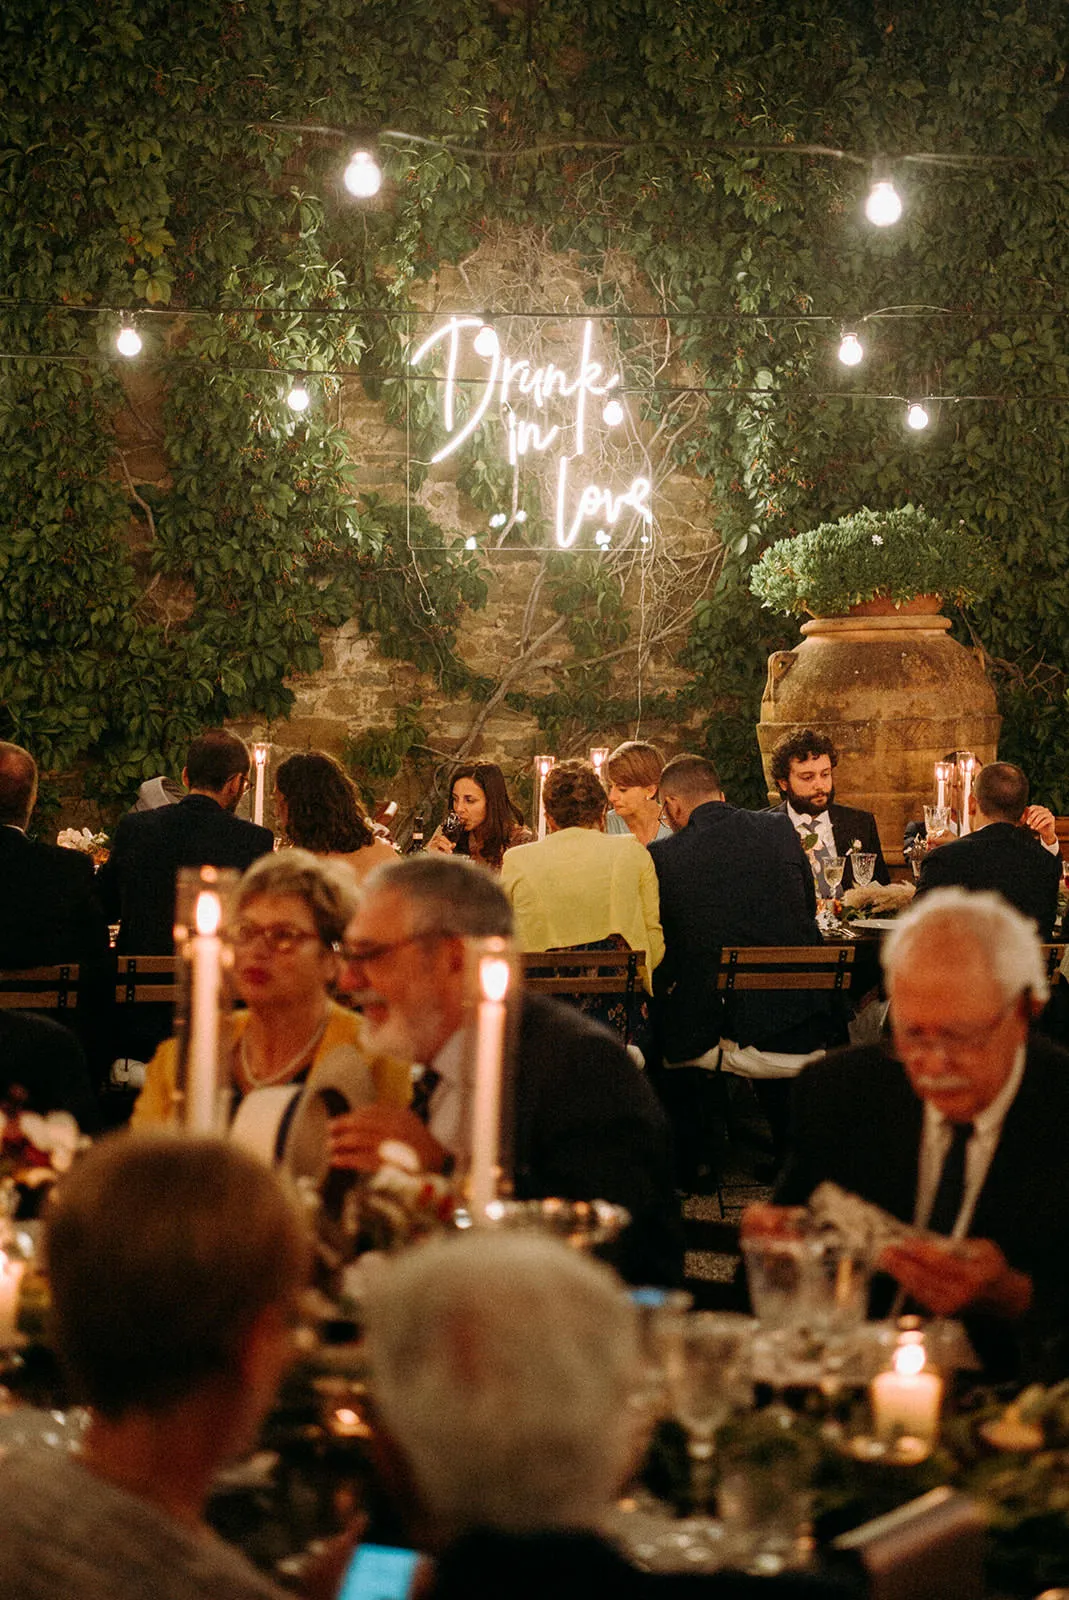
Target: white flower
point(877, 538)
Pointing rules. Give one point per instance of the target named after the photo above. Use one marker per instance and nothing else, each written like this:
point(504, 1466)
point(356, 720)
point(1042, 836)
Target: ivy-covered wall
point(187, 162)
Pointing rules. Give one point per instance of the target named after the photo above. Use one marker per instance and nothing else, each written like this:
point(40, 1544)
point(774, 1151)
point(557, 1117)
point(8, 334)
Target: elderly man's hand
point(356, 1137)
point(973, 1275)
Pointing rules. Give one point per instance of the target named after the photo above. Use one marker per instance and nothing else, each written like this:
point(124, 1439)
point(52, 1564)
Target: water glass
point(763, 1501)
point(706, 1383)
point(864, 865)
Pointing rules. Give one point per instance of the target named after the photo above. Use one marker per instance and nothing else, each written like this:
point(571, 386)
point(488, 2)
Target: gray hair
point(1008, 941)
point(451, 895)
point(502, 1366)
point(328, 888)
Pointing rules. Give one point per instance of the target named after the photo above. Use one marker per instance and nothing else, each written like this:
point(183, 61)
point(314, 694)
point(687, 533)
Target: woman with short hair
point(634, 774)
point(289, 918)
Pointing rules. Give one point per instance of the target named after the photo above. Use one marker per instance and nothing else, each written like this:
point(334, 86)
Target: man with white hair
point(960, 1132)
point(503, 1369)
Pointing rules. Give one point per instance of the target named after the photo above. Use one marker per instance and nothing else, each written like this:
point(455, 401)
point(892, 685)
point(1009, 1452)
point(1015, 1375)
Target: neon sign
point(531, 400)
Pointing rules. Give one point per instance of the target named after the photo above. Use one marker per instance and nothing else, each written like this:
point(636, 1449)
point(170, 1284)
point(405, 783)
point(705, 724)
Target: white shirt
point(821, 826)
point(979, 1152)
point(447, 1119)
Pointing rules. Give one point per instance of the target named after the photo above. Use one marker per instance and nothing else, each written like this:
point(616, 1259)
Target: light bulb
point(851, 350)
point(486, 341)
point(612, 414)
point(363, 175)
point(298, 398)
point(883, 205)
point(128, 341)
point(521, 516)
point(917, 416)
point(471, 543)
point(498, 519)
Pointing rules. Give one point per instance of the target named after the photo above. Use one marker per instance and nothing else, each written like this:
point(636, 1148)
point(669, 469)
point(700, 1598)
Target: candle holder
point(543, 767)
point(203, 960)
point(966, 769)
point(489, 1100)
point(944, 779)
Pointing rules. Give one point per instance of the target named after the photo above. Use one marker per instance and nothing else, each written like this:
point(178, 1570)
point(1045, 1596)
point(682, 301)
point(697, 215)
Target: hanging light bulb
point(851, 350)
point(486, 341)
point(363, 175)
point(471, 543)
point(612, 414)
point(128, 340)
point(917, 416)
point(884, 205)
point(498, 519)
point(521, 516)
point(298, 398)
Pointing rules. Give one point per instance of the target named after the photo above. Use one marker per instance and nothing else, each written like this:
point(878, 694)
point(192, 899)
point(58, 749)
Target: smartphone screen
point(379, 1572)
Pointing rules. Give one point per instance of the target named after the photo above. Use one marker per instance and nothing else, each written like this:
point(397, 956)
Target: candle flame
point(259, 754)
point(908, 1360)
point(346, 1417)
point(208, 913)
point(493, 978)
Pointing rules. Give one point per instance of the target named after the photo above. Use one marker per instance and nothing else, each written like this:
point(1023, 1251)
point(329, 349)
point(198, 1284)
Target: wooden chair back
point(1054, 955)
point(578, 972)
point(40, 988)
point(140, 980)
point(779, 967)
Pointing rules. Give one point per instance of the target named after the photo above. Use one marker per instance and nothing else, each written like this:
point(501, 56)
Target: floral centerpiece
point(34, 1149)
point(97, 845)
point(869, 555)
point(400, 1203)
point(877, 900)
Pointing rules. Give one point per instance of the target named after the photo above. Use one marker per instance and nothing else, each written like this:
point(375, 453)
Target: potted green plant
point(879, 560)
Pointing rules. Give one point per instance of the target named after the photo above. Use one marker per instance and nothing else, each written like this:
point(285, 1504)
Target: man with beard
point(803, 765)
point(585, 1123)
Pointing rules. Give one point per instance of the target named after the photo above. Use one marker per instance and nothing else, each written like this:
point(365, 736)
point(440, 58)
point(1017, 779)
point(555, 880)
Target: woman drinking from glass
point(487, 822)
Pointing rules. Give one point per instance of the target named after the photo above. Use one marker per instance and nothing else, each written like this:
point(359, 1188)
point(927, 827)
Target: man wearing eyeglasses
point(586, 1125)
point(958, 1131)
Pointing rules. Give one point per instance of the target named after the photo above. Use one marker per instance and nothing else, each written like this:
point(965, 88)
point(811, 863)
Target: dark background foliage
point(149, 159)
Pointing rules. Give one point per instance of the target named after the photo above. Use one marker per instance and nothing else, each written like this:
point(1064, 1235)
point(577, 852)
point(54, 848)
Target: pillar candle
point(200, 1111)
point(11, 1272)
point(906, 1400)
point(259, 756)
point(543, 766)
point(486, 1106)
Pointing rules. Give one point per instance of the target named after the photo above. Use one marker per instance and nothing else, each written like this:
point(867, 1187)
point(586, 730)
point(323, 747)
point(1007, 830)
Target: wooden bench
point(40, 988)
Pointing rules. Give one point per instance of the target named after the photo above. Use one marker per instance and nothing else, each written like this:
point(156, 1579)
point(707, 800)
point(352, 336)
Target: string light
point(363, 175)
point(612, 414)
point(498, 519)
point(487, 343)
point(128, 341)
point(298, 398)
point(851, 350)
point(917, 416)
point(884, 205)
point(471, 543)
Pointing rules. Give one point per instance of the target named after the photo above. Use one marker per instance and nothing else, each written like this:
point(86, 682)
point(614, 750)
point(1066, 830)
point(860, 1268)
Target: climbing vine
point(181, 163)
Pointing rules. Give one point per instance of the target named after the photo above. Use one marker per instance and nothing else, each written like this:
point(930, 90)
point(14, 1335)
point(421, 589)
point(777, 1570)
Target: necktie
point(817, 857)
point(951, 1190)
point(422, 1091)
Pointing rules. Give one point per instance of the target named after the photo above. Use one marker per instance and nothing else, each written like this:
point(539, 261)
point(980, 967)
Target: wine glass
point(706, 1381)
point(864, 865)
point(834, 866)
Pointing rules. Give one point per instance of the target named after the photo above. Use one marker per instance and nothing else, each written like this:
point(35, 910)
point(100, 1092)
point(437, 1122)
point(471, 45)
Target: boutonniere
point(855, 848)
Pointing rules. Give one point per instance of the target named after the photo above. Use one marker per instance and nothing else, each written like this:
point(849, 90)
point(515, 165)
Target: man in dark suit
point(1002, 852)
point(51, 910)
point(803, 765)
point(585, 1123)
point(728, 877)
point(137, 884)
point(961, 1132)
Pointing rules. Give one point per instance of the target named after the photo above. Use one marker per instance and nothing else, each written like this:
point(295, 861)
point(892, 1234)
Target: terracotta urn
point(895, 692)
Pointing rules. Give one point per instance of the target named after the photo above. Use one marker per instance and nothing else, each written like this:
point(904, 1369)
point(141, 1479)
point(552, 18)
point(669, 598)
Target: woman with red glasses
point(289, 918)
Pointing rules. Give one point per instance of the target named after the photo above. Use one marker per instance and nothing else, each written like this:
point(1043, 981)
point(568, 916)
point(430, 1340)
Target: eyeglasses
point(948, 1041)
point(365, 954)
point(281, 937)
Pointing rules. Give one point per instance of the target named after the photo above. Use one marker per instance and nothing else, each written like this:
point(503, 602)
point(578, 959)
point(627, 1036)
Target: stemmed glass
point(706, 1382)
point(864, 865)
